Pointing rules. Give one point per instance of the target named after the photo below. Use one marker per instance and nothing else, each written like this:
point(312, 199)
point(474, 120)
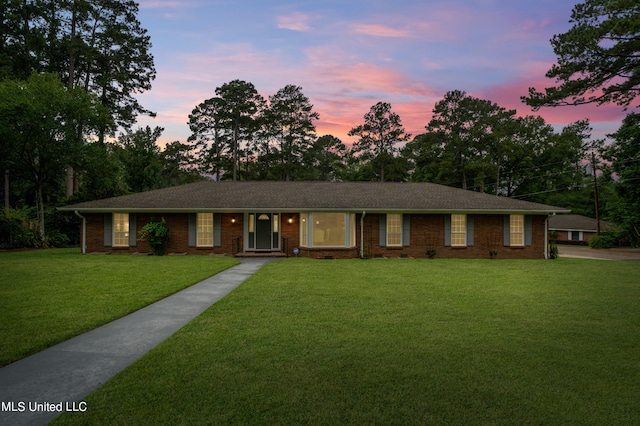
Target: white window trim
point(304, 229)
point(512, 233)
point(459, 233)
point(198, 243)
point(114, 232)
point(399, 244)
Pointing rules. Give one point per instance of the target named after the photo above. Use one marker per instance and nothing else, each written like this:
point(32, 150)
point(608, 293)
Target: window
point(205, 230)
point(575, 235)
point(352, 227)
point(327, 230)
point(516, 230)
point(394, 230)
point(121, 229)
point(303, 229)
point(458, 230)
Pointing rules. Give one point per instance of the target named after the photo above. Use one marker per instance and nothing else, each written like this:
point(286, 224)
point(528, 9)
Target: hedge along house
point(320, 220)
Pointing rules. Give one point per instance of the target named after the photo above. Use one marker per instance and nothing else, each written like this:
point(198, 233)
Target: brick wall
point(178, 224)
point(427, 231)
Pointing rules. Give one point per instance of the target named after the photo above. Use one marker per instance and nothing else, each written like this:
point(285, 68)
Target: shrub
point(15, 231)
point(157, 233)
point(56, 238)
point(606, 239)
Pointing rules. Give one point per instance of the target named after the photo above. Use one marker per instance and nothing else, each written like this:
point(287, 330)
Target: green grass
point(48, 296)
point(398, 342)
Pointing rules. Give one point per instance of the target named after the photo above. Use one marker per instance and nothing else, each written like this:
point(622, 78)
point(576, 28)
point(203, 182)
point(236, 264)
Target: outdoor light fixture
point(233, 219)
point(290, 219)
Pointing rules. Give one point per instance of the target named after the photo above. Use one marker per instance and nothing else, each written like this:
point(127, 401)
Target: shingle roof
point(576, 222)
point(301, 196)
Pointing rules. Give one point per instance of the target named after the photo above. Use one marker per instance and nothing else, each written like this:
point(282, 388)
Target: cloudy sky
point(348, 55)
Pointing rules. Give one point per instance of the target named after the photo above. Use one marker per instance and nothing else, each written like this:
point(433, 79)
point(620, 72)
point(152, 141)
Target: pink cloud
point(294, 22)
point(378, 30)
point(604, 119)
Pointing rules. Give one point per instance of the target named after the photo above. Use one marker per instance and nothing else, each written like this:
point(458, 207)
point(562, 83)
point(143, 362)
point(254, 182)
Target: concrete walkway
point(64, 374)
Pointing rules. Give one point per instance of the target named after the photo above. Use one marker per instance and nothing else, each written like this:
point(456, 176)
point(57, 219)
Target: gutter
point(83, 243)
point(364, 213)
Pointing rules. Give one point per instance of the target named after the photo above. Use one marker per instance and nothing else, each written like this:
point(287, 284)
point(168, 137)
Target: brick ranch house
point(320, 220)
point(575, 229)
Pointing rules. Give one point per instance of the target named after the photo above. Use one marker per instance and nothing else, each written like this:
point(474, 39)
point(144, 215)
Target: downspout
point(546, 237)
point(364, 213)
point(83, 243)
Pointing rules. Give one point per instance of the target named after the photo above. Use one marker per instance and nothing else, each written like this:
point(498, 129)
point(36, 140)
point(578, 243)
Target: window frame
point(395, 233)
point(456, 234)
point(307, 230)
point(516, 230)
point(304, 229)
point(120, 234)
point(200, 234)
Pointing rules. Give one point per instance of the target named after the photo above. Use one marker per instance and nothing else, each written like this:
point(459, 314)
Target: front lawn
point(439, 341)
point(47, 296)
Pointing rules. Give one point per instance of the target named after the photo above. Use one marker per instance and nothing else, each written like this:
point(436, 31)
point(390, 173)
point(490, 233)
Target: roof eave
point(296, 210)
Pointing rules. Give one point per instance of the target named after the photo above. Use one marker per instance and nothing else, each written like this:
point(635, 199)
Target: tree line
point(469, 142)
point(69, 72)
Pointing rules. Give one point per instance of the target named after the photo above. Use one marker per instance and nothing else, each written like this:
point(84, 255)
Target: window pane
point(303, 229)
point(352, 226)
point(458, 230)
point(516, 228)
point(205, 230)
point(328, 229)
point(121, 229)
point(394, 230)
point(252, 224)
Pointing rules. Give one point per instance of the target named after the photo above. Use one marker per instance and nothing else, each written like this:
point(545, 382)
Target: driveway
point(624, 253)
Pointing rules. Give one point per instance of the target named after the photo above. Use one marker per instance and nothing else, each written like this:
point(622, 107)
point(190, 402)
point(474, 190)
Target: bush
point(15, 231)
point(157, 233)
point(606, 239)
point(57, 239)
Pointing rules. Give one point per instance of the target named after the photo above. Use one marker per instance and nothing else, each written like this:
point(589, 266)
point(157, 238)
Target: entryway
point(263, 232)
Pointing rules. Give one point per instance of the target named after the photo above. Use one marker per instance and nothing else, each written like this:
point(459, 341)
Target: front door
point(263, 231)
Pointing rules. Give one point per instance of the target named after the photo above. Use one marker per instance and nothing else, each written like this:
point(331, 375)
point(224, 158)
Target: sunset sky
point(348, 55)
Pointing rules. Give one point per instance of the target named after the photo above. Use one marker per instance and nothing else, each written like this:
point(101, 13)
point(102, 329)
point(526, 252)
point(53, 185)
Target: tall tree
point(96, 44)
point(378, 136)
point(209, 135)
point(241, 106)
point(598, 58)
point(624, 155)
point(557, 166)
point(472, 131)
point(290, 119)
point(41, 116)
point(139, 154)
point(178, 167)
point(324, 160)
point(425, 153)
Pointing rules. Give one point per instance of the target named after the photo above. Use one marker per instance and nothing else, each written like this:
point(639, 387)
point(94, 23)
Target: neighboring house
point(321, 220)
point(575, 229)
